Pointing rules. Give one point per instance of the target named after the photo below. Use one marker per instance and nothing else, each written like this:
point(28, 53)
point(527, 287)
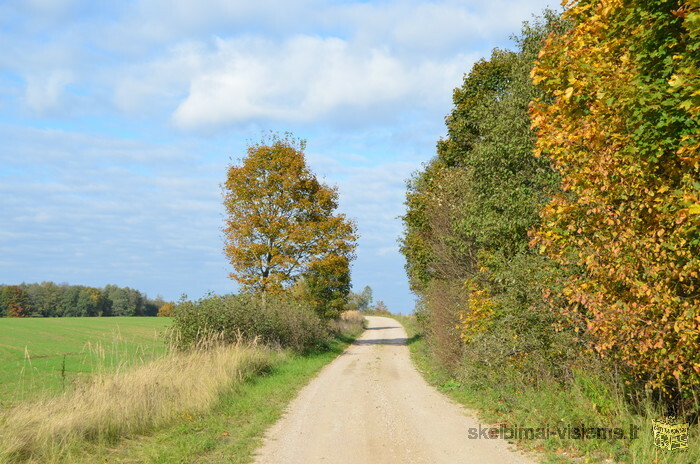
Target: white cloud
point(368, 83)
point(45, 94)
point(296, 61)
point(307, 79)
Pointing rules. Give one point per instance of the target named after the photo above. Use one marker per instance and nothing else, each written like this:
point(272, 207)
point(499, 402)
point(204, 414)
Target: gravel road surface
point(371, 406)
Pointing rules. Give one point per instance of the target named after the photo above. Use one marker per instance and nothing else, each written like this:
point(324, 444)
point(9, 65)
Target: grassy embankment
point(517, 402)
point(209, 405)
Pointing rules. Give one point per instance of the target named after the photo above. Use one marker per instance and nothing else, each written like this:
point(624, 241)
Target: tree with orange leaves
point(621, 126)
point(282, 229)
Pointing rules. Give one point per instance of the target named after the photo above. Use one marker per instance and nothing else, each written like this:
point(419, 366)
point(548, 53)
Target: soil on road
point(371, 406)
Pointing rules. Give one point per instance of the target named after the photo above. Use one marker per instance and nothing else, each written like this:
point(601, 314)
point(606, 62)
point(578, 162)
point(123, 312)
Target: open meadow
point(44, 356)
point(127, 392)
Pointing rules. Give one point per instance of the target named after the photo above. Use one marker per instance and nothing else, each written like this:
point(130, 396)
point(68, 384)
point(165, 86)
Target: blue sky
point(118, 120)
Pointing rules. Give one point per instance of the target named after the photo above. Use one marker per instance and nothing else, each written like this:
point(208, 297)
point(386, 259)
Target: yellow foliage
point(476, 317)
point(621, 127)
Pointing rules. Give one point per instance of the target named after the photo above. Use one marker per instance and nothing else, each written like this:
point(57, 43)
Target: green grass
point(511, 398)
point(228, 432)
point(32, 351)
point(234, 428)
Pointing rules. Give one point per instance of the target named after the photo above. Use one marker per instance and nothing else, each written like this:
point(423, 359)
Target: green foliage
point(327, 287)
point(48, 299)
point(281, 321)
point(469, 212)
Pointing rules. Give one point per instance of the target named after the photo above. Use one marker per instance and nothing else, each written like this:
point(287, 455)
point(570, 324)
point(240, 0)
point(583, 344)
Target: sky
point(118, 120)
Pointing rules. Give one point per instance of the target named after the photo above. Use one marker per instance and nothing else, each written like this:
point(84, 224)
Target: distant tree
point(360, 301)
point(166, 310)
point(119, 298)
point(51, 300)
point(45, 297)
point(381, 307)
point(92, 302)
point(16, 301)
point(3, 308)
point(282, 225)
point(135, 302)
point(69, 301)
point(36, 298)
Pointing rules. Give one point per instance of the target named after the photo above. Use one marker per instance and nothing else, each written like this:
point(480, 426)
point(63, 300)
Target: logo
point(670, 434)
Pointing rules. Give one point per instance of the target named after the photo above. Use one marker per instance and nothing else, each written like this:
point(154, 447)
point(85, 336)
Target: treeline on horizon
point(48, 299)
point(557, 230)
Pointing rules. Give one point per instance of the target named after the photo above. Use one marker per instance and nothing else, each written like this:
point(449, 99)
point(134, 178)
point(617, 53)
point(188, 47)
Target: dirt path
point(371, 406)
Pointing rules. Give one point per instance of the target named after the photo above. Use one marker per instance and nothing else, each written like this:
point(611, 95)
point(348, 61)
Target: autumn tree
point(620, 124)
point(166, 310)
point(15, 301)
point(282, 228)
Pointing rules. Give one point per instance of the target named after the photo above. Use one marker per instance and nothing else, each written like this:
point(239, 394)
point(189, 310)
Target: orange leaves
point(621, 127)
point(167, 310)
point(281, 220)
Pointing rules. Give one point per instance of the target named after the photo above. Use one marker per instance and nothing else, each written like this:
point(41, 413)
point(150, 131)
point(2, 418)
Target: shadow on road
point(383, 341)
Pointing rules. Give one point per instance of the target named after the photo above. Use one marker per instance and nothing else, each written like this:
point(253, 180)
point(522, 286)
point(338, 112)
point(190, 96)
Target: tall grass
point(349, 322)
point(129, 401)
point(45, 356)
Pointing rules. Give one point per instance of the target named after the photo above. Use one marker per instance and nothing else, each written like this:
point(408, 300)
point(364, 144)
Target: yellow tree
point(621, 126)
point(282, 227)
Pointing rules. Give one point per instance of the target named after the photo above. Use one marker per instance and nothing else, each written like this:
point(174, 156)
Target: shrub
point(280, 321)
point(446, 301)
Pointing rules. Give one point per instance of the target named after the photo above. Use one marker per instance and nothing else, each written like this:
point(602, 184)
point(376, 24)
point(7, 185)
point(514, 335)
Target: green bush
point(280, 322)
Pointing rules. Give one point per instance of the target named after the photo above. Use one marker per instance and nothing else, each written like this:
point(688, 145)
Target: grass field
point(210, 404)
point(32, 351)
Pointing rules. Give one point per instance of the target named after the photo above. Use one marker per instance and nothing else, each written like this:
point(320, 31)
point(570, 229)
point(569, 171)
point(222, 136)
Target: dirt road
point(371, 406)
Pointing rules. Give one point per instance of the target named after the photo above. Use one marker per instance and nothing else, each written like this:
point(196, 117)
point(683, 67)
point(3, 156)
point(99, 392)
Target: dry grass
point(353, 316)
point(129, 401)
point(349, 322)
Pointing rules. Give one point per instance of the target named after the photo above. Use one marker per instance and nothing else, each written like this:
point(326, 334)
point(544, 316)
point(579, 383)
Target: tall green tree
point(469, 212)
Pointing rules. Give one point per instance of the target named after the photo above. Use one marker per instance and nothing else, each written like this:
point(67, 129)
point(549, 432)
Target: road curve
point(371, 406)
